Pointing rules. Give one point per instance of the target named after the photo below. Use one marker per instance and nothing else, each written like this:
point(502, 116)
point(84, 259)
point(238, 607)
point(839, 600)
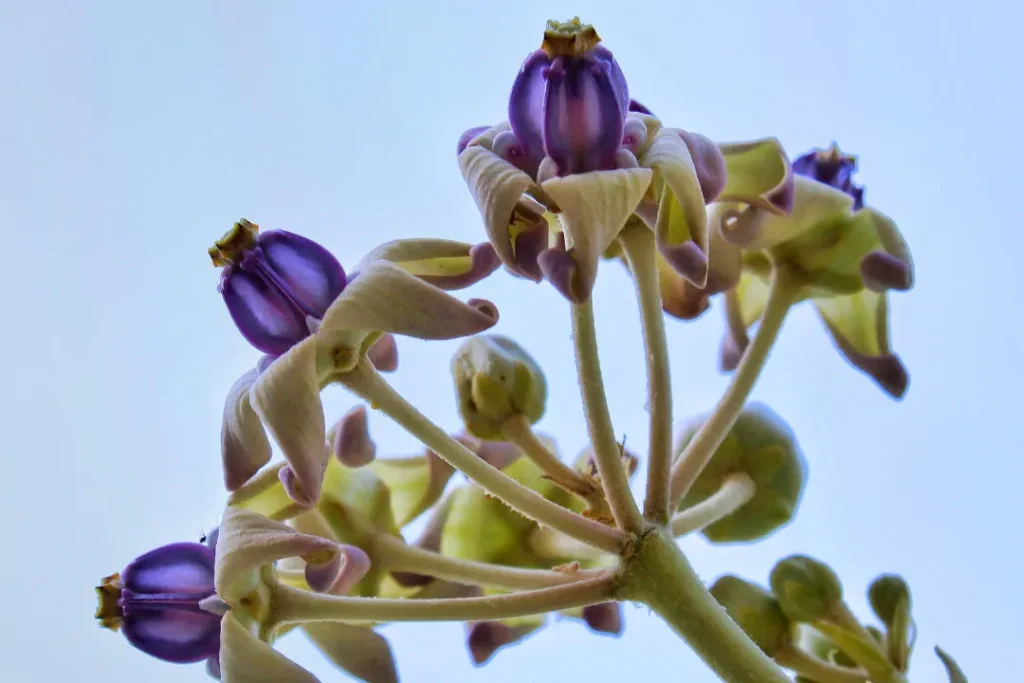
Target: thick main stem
point(709, 437)
point(735, 492)
point(393, 554)
point(607, 454)
point(660, 577)
point(368, 384)
point(294, 606)
point(641, 256)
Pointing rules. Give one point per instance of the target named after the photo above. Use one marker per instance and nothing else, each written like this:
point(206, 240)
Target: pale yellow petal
point(357, 650)
point(814, 204)
point(682, 218)
point(758, 173)
point(246, 659)
point(595, 207)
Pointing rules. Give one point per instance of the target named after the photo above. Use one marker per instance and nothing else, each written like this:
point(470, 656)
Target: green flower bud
point(885, 594)
point(764, 447)
point(755, 611)
point(495, 380)
point(807, 590)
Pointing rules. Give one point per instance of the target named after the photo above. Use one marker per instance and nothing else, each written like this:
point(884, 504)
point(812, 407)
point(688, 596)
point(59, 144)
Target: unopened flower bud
point(277, 285)
point(352, 443)
point(885, 594)
point(761, 445)
point(495, 380)
point(568, 103)
point(807, 590)
point(755, 611)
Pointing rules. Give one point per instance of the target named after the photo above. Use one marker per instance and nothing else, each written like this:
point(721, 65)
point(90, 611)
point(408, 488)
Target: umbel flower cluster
point(578, 175)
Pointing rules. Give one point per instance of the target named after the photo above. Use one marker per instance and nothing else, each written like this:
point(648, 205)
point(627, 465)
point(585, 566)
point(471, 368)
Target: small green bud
point(495, 380)
point(885, 594)
point(764, 447)
point(807, 590)
point(876, 634)
point(755, 611)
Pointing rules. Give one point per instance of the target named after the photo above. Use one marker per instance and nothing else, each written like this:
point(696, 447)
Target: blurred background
point(133, 134)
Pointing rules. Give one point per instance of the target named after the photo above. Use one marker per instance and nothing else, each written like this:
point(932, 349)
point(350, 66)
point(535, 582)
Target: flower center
point(235, 243)
point(569, 38)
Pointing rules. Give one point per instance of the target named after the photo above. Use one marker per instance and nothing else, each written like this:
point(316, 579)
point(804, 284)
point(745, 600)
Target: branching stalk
point(735, 492)
point(519, 432)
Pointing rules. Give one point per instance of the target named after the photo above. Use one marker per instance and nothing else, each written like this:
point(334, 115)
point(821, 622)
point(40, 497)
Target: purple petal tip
point(882, 271)
point(295, 490)
point(560, 270)
point(688, 260)
point(605, 617)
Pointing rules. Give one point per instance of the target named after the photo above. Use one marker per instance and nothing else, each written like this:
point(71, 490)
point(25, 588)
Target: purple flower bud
point(833, 168)
point(639, 108)
point(277, 285)
point(155, 600)
point(568, 103)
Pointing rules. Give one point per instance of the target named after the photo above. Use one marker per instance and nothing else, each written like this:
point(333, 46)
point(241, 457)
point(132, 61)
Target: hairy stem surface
point(607, 454)
point(736, 491)
point(519, 432)
point(709, 437)
point(367, 383)
point(638, 245)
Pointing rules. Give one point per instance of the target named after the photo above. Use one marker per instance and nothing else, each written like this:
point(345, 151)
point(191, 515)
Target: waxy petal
point(173, 633)
point(708, 162)
point(178, 568)
point(859, 325)
point(287, 399)
point(682, 218)
point(758, 173)
point(893, 266)
point(526, 106)
point(351, 440)
point(496, 186)
point(387, 298)
point(246, 659)
point(311, 275)
point(262, 313)
point(814, 203)
point(340, 572)
point(357, 650)
point(468, 137)
point(415, 484)
point(244, 445)
point(249, 542)
point(595, 207)
point(444, 263)
point(265, 495)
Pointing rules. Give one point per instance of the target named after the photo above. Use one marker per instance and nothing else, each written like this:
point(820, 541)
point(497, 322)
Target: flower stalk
point(737, 490)
point(782, 295)
point(641, 257)
point(367, 383)
point(518, 431)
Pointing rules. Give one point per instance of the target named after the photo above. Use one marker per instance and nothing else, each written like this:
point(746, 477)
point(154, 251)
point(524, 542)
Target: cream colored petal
point(249, 541)
point(287, 399)
point(244, 445)
point(682, 217)
point(814, 204)
point(595, 207)
point(445, 263)
point(246, 659)
point(386, 298)
point(357, 650)
point(758, 173)
point(496, 186)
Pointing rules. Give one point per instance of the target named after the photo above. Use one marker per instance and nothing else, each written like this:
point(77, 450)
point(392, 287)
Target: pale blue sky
point(132, 135)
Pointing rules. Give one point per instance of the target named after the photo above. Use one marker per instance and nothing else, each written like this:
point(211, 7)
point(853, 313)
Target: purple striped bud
point(277, 285)
point(568, 103)
point(833, 168)
point(156, 602)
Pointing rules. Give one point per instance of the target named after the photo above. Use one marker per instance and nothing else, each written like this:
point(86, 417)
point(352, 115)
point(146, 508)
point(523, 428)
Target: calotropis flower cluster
point(579, 173)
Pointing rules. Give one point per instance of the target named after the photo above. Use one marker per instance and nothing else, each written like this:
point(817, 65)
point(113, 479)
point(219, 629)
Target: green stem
point(518, 431)
point(393, 554)
point(367, 383)
point(294, 606)
point(735, 492)
point(599, 422)
point(660, 577)
point(641, 257)
point(809, 666)
point(709, 437)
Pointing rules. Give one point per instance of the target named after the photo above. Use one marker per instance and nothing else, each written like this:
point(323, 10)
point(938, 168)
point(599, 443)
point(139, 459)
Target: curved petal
point(496, 186)
point(244, 446)
point(265, 495)
point(287, 399)
point(352, 444)
point(444, 263)
point(246, 659)
point(709, 163)
point(359, 651)
point(415, 484)
point(758, 173)
point(595, 207)
point(682, 217)
point(859, 325)
point(526, 104)
point(894, 245)
point(387, 298)
point(311, 274)
point(485, 638)
point(814, 204)
point(249, 541)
